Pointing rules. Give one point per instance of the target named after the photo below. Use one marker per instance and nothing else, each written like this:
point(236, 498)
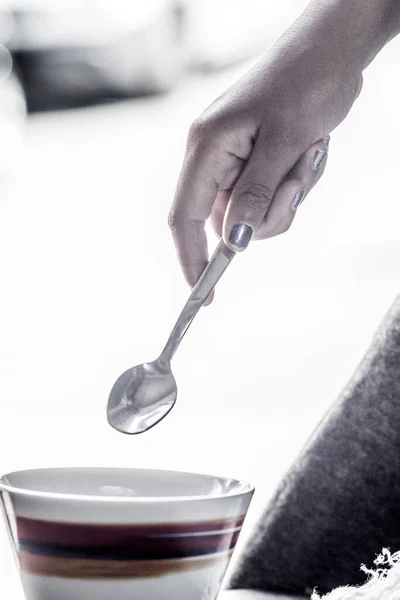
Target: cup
point(100, 534)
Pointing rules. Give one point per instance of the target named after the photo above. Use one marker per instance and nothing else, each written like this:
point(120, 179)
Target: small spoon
point(145, 394)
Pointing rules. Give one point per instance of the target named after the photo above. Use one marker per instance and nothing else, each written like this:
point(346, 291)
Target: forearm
point(353, 30)
point(322, 56)
point(338, 37)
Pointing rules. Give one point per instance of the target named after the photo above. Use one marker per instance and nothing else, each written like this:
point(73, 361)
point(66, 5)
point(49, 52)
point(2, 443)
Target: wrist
point(356, 30)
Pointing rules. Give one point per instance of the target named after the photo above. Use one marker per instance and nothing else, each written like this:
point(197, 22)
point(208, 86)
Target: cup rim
point(243, 488)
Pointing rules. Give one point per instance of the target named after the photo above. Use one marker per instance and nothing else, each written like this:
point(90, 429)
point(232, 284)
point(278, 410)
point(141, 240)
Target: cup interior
point(151, 484)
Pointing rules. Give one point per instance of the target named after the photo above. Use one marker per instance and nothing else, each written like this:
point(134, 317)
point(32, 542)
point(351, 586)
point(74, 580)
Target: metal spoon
point(145, 394)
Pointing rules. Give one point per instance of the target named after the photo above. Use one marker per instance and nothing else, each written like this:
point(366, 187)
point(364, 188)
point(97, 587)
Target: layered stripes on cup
point(122, 551)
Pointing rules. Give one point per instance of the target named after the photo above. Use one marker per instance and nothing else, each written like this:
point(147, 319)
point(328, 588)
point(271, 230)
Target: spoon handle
point(209, 278)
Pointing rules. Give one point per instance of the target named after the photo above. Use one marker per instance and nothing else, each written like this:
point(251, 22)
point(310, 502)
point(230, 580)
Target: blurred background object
point(69, 52)
point(12, 112)
point(60, 54)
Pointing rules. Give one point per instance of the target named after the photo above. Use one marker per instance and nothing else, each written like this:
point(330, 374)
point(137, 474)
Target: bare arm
point(257, 151)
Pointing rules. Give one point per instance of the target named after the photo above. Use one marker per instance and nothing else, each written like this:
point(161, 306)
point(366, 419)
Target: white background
point(90, 286)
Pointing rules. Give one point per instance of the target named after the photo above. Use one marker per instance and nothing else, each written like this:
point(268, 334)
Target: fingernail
point(240, 235)
point(319, 158)
point(298, 198)
point(326, 140)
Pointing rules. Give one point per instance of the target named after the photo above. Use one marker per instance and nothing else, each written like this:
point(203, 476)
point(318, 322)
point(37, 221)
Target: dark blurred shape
point(12, 112)
point(71, 53)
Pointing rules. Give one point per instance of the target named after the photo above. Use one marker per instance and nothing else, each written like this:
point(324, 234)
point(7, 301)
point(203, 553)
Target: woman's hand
point(257, 151)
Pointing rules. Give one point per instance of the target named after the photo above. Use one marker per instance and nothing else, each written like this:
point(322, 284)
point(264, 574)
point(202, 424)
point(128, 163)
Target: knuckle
point(284, 224)
point(256, 197)
point(276, 227)
point(174, 220)
point(284, 227)
point(360, 86)
point(201, 128)
point(171, 221)
point(196, 130)
point(298, 183)
point(208, 129)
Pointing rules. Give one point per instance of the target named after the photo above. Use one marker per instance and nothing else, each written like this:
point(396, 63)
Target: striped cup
point(81, 533)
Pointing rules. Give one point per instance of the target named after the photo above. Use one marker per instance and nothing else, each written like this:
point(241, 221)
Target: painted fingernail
point(298, 198)
point(319, 158)
point(326, 140)
point(240, 236)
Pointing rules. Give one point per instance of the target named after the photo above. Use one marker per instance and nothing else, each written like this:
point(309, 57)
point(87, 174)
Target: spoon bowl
point(142, 397)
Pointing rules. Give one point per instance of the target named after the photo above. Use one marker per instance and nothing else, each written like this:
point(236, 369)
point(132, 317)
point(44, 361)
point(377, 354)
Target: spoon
point(145, 394)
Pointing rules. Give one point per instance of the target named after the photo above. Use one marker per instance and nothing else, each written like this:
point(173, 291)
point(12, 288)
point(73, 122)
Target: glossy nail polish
point(326, 140)
point(319, 158)
point(298, 198)
point(240, 235)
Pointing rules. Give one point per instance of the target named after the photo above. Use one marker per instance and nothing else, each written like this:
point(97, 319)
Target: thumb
point(254, 191)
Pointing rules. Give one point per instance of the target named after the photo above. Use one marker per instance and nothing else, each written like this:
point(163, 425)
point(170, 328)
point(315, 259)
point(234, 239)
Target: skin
point(254, 148)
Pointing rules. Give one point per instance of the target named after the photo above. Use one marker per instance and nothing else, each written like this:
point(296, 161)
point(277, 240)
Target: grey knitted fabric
point(339, 505)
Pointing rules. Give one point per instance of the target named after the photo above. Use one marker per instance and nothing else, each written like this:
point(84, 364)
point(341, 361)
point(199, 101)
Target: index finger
point(194, 198)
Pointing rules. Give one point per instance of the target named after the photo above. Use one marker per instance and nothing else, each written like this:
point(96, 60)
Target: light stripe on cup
point(50, 566)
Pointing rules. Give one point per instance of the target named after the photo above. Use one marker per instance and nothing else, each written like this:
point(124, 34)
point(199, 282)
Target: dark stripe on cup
point(140, 548)
point(109, 534)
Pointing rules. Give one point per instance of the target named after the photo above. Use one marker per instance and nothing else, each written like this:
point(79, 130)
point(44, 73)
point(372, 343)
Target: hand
point(258, 150)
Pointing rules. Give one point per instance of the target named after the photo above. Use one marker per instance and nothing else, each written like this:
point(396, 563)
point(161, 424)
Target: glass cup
point(100, 533)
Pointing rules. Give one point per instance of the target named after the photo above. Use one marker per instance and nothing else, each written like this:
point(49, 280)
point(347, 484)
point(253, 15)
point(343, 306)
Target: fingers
point(257, 201)
point(293, 191)
point(281, 213)
point(195, 195)
point(311, 165)
point(207, 166)
point(254, 191)
point(219, 210)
